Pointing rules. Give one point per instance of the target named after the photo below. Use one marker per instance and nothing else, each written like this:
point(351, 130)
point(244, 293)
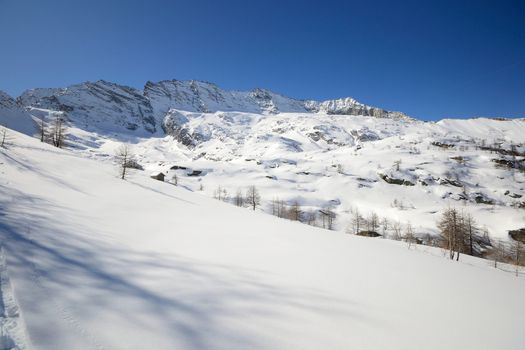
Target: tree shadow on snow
point(191, 300)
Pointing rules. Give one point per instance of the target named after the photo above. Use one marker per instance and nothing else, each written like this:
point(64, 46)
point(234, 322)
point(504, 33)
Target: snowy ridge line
point(118, 108)
point(13, 334)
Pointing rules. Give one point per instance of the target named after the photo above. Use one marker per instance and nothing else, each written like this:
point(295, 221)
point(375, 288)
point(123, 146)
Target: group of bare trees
point(459, 233)
point(370, 223)
point(251, 198)
point(53, 131)
point(510, 252)
point(324, 217)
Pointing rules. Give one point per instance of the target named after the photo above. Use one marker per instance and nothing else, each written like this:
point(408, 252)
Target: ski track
point(13, 335)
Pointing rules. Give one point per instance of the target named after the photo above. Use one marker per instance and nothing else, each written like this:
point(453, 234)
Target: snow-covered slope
point(96, 262)
point(13, 116)
point(347, 163)
point(316, 153)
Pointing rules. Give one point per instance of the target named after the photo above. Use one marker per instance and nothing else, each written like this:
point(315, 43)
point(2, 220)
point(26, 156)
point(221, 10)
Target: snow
point(296, 156)
point(13, 116)
point(96, 262)
point(294, 149)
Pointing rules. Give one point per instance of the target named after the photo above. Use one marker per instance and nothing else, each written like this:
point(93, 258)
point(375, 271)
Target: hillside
point(337, 155)
point(98, 262)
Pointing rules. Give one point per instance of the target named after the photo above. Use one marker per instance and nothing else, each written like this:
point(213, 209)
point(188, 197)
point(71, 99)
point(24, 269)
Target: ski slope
point(96, 262)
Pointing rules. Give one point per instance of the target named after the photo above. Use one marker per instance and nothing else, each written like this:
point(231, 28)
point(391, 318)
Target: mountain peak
point(120, 107)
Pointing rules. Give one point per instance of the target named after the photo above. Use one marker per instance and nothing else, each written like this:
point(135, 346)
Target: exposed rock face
point(349, 106)
point(481, 198)
point(205, 97)
point(395, 181)
point(176, 125)
point(6, 101)
point(101, 104)
point(368, 234)
point(518, 235)
point(113, 107)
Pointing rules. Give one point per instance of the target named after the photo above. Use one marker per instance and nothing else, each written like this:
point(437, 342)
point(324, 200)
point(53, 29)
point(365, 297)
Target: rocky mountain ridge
point(110, 106)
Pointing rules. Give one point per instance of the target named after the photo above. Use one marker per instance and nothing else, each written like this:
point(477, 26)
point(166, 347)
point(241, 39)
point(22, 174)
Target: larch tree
point(239, 199)
point(218, 193)
point(453, 231)
point(517, 252)
point(410, 238)
point(328, 216)
point(373, 222)
point(253, 198)
point(396, 227)
point(123, 156)
point(295, 212)
point(58, 131)
point(471, 232)
point(4, 137)
point(42, 129)
point(384, 227)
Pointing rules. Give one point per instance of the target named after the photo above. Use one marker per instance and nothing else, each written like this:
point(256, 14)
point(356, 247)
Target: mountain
point(111, 107)
point(312, 153)
point(197, 96)
point(104, 105)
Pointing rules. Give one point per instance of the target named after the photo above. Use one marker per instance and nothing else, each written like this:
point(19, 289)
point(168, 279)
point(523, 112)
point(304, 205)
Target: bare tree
point(397, 164)
point(274, 206)
point(279, 208)
point(516, 251)
point(409, 235)
point(239, 199)
point(42, 129)
point(471, 231)
point(218, 193)
point(384, 227)
point(373, 222)
point(295, 212)
point(225, 196)
point(452, 229)
point(124, 156)
point(311, 217)
point(357, 220)
point(282, 210)
point(396, 227)
point(498, 252)
point(174, 180)
point(58, 131)
point(328, 217)
point(253, 198)
point(4, 137)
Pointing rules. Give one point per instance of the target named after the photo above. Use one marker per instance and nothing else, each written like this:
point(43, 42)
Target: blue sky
point(429, 59)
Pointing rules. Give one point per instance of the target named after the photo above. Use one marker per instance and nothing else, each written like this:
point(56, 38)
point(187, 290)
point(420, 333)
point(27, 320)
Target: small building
point(158, 175)
point(195, 173)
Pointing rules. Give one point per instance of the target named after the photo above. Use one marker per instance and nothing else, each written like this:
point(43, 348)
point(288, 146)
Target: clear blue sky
point(430, 59)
